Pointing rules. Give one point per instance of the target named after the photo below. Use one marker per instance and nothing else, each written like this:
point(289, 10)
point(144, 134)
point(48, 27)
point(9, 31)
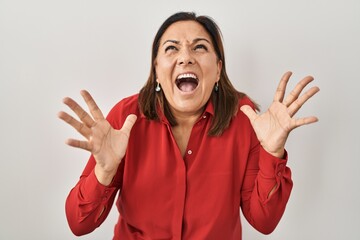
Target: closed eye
point(170, 48)
point(200, 46)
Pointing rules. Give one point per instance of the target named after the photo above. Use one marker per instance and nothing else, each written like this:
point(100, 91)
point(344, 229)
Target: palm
point(273, 127)
point(106, 144)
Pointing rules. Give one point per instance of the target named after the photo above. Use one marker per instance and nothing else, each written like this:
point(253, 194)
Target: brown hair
point(225, 100)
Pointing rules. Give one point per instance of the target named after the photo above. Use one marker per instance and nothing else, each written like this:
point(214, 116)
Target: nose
point(185, 57)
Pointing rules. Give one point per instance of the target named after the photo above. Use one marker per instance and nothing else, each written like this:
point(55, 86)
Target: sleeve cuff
point(93, 190)
point(271, 166)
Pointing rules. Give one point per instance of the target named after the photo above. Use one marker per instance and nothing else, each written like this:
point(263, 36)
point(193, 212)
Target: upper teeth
point(187, 75)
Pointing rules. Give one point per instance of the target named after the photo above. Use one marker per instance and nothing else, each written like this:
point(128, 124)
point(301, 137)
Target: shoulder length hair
point(225, 100)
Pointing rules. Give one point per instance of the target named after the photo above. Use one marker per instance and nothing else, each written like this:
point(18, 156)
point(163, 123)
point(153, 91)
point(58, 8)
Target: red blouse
point(164, 195)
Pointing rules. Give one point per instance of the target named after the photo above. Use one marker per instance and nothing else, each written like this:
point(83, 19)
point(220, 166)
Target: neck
point(187, 120)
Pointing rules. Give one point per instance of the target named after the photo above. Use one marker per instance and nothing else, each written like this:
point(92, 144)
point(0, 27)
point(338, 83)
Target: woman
point(180, 153)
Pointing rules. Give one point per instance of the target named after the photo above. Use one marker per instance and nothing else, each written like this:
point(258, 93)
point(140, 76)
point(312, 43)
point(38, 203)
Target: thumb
point(128, 124)
point(249, 112)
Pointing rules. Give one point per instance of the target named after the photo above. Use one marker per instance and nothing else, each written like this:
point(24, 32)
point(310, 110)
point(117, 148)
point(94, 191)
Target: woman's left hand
point(273, 127)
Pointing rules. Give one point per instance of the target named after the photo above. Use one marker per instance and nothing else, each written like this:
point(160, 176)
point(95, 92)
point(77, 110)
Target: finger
point(249, 112)
point(280, 91)
point(298, 103)
point(79, 111)
point(79, 144)
point(294, 94)
point(304, 121)
point(128, 124)
point(93, 107)
point(81, 128)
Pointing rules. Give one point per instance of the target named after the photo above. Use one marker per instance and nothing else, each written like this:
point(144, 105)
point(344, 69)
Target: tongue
point(187, 86)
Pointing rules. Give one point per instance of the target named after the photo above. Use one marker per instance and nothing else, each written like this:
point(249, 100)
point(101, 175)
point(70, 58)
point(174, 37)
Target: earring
point(158, 88)
point(216, 86)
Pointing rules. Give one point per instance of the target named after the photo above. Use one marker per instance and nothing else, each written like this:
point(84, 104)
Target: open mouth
point(187, 82)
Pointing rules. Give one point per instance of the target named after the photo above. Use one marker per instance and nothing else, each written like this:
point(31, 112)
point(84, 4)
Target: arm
point(266, 189)
point(267, 183)
point(91, 199)
point(89, 202)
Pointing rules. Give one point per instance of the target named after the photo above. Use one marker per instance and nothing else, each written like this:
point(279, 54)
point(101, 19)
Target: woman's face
point(187, 67)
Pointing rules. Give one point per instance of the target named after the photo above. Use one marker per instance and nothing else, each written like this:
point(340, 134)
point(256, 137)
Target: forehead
point(185, 31)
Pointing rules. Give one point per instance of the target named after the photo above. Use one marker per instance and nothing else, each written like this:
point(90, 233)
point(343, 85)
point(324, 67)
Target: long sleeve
point(89, 202)
point(264, 172)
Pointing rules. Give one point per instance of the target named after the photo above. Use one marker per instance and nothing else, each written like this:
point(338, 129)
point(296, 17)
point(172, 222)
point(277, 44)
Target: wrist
point(104, 177)
point(278, 153)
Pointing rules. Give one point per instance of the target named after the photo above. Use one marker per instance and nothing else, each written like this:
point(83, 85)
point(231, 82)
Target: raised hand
point(273, 127)
point(106, 144)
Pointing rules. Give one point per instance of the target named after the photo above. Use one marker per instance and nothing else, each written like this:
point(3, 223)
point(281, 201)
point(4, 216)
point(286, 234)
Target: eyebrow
point(171, 41)
point(194, 41)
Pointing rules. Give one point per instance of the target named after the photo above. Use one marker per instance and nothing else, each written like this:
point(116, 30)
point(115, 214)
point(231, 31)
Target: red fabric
point(166, 196)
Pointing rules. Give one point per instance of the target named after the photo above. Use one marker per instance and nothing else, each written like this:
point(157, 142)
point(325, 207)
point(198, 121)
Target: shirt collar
point(209, 110)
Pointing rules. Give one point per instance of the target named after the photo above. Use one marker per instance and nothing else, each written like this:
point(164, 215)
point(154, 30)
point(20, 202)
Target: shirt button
point(279, 174)
point(189, 152)
point(204, 116)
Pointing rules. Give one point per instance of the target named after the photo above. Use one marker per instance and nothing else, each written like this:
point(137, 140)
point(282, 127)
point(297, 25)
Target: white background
point(53, 49)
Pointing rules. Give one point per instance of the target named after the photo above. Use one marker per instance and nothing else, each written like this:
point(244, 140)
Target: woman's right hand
point(106, 144)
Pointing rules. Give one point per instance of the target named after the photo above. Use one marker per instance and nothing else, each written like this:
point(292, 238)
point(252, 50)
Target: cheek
point(163, 67)
point(211, 70)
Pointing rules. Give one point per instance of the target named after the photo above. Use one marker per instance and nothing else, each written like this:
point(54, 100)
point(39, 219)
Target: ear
point(219, 68)
point(155, 62)
point(155, 66)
